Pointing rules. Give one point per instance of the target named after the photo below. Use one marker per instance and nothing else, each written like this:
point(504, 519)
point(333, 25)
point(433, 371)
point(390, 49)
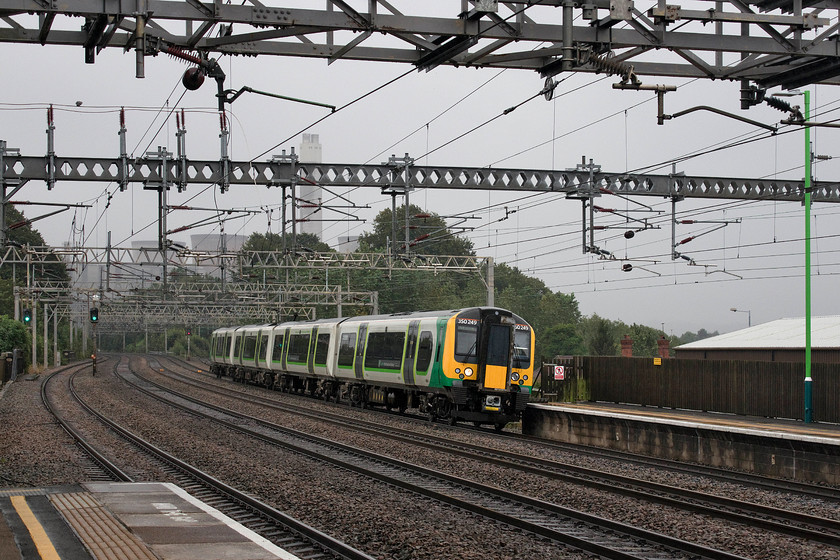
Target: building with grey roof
point(782, 340)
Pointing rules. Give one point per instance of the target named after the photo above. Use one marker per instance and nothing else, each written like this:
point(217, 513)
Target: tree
point(13, 334)
point(560, 340)
point(22, 234)
point(429, 234)
point(599, 336)
point(274, 242)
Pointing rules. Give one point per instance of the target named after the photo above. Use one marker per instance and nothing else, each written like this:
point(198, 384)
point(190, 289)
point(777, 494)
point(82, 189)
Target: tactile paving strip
point(104, 535)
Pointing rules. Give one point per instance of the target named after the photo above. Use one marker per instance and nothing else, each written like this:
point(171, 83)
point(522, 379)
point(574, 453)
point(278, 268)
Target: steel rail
point(305, 535)
point(590, 533)
point(105, 465)
point(772, 519)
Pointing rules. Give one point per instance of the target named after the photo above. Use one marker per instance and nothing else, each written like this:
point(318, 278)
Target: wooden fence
point(768, 389)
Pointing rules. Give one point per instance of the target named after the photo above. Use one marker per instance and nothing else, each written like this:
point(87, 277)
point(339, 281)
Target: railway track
point(744, 479)
point(563, 526)
point(290, 534)
point(817, 529)
point(101, 468)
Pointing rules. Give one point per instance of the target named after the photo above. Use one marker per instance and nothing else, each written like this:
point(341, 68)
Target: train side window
point(347, 349)
point(277, 353)
point(298, 348)
point(384, 350)
point(249, 348)
point(424, 352)
point(321, 347)
point(237, 344)
point(263, 347)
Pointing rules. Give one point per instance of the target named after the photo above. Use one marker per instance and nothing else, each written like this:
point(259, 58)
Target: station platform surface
point(766, 446)
point(125, 521)
point(765, 427)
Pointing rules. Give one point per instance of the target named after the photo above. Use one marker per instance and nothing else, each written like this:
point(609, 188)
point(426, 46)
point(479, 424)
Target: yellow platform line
point(36, 531)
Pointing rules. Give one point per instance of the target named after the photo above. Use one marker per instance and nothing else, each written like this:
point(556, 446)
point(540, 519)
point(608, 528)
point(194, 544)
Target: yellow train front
point(486, 369)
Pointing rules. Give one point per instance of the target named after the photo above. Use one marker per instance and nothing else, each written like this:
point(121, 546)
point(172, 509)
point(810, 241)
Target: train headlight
point(525, 377)
point(457, 370)
point(468, 371)
point(515, 376)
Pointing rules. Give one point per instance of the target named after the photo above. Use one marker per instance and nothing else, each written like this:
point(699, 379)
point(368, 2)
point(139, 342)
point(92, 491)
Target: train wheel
point(476, 423)
point(499, 426)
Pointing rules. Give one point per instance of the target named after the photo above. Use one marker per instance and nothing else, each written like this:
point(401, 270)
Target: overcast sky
point(754, 263)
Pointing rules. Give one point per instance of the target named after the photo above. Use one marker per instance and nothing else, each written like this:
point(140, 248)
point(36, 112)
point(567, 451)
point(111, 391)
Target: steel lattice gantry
point(770, 42)
point(16, 169)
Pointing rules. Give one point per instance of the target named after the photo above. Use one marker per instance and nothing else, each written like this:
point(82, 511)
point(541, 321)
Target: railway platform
point(768, 446)
point(125, 521)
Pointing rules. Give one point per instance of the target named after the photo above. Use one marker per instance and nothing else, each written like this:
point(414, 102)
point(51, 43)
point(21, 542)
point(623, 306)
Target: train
point(472, 365)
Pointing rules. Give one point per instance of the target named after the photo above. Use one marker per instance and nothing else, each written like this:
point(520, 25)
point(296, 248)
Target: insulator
point(627, 267)
point(178, 53)
point(609, 66)
point(779, 104)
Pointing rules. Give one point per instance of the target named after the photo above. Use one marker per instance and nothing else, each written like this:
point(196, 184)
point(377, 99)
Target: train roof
point(397, 315)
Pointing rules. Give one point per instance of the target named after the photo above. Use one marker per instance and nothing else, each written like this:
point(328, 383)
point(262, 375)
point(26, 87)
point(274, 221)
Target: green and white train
point(474, 364)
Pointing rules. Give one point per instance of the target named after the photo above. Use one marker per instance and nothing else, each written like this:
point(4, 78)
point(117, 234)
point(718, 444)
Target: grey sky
point(617, 129)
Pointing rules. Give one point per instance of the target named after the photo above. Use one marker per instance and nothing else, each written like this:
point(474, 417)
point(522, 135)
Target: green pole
point(808, 390)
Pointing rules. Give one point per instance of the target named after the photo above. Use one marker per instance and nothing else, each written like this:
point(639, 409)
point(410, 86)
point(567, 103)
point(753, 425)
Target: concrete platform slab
point(122, 521)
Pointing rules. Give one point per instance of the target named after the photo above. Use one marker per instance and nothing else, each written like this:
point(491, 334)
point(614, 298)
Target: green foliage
point(561, 340)
point(428, 234)
point(688, 336)
point(274, 242)
point(10, 276)
point(13, 335)
point(600, 336)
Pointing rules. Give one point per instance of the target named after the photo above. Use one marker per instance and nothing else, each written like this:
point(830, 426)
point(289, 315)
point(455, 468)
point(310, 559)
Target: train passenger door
point(497, 356)
point(360, 351)
point(284, 349)
point(313, 344)
point(410, 353)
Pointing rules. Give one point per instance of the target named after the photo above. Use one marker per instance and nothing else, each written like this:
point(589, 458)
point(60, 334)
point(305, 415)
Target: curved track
point(792, 523)
point(740, 478)
point(288, 533)
point(564, 526)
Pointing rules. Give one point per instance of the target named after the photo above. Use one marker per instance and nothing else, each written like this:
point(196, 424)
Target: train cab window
point(498, 345)
point(347, 349)
point(424, 352)
point(277, 353)
point(384, 350)
point(298, 348)
point(263, 347)
point(249, 347)
point(466, 340)
point(522, 347)
point(321, 347)
point(237, 344)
